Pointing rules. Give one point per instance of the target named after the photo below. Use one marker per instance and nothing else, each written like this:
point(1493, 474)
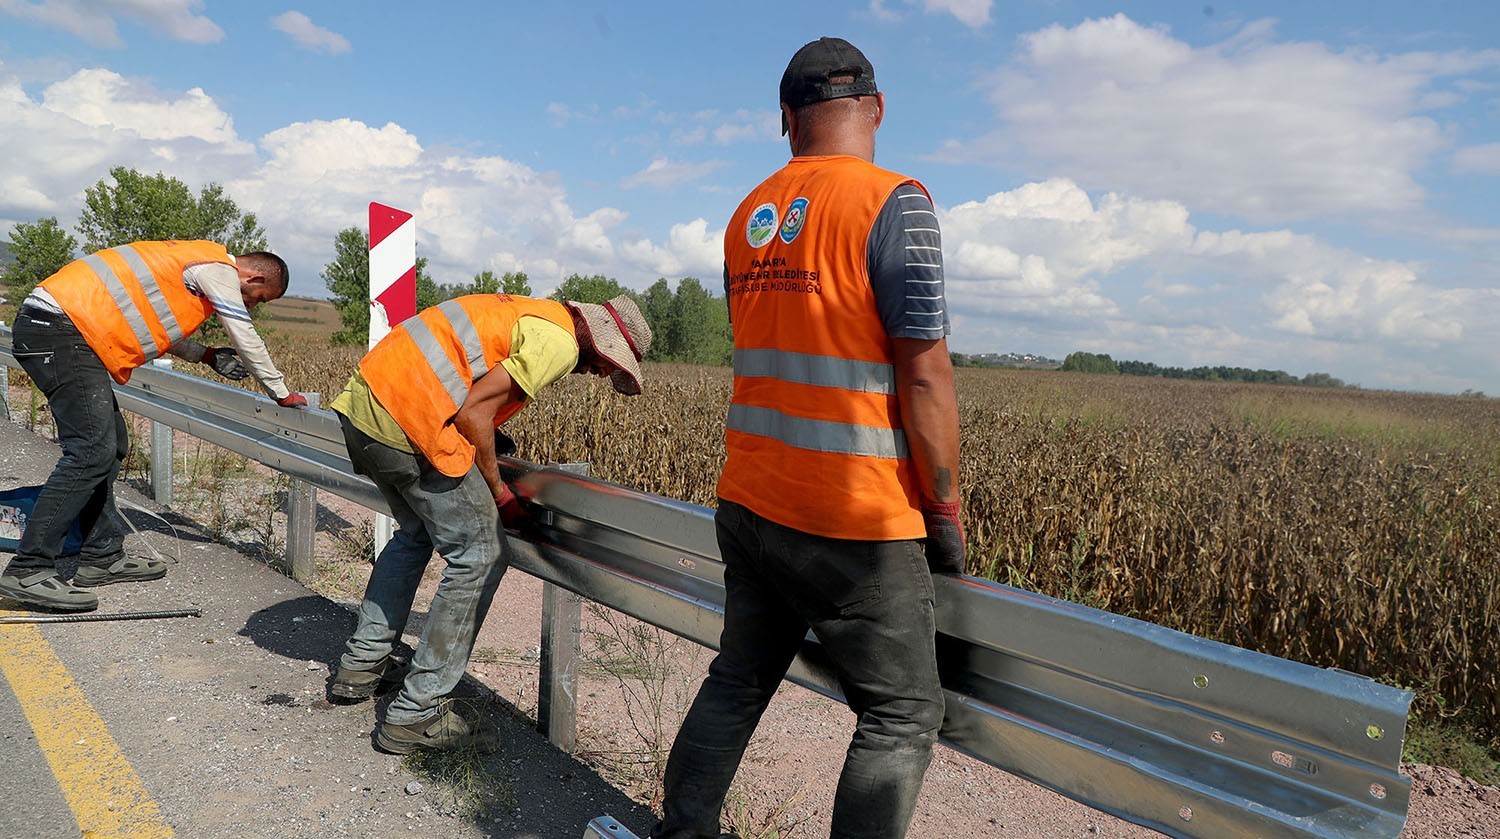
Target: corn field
point(1340, 528)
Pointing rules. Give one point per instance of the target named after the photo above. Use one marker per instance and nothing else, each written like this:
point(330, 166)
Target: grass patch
point(463, 780)
point(1441, 743)
point(1385, 426)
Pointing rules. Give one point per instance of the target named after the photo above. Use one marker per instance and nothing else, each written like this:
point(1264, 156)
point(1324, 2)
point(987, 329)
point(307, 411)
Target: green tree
point(429, 293)
point(140, 207)
point(595, 289)
point(516, 283)
point(485, 282)
point(348, 279)
point(657, 306)
point(39, 250)
point(1087, 362)
point(699, 329)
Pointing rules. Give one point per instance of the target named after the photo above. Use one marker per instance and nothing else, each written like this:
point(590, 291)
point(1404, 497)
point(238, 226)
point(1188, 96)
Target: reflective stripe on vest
point(820, 370)
point(454, 382)
point(132, 313)
point(818, 435)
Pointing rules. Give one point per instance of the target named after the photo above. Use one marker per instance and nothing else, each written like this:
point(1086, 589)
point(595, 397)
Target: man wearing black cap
point(839, 494)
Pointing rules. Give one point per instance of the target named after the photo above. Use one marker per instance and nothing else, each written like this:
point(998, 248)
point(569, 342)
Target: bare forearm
point(929, 415)
point(481, 432)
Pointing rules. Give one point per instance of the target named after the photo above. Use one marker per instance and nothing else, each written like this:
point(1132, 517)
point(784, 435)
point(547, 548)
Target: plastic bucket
point(15, 509)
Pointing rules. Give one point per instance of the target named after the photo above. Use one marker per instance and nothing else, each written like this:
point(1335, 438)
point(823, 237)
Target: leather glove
point(292, 400)
point(946, 551)
point(226, 362)
point(512, 514)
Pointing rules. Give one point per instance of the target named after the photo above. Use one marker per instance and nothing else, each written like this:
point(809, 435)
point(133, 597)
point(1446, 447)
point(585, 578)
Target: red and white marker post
point(393, 294)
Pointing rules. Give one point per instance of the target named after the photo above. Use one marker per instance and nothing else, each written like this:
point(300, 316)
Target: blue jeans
point(870, 605)
point(91, 432)
point(457, 518)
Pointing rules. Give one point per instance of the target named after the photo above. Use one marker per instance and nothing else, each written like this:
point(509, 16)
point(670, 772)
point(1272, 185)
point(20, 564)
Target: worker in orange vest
point(420, 418)
point(96, 320)
point(839, 496)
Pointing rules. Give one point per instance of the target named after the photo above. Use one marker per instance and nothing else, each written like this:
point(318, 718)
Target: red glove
point(512, 514)
point(946, 551)
point(292, 400)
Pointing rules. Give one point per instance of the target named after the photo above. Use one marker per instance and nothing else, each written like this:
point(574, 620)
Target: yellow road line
point(106, 796)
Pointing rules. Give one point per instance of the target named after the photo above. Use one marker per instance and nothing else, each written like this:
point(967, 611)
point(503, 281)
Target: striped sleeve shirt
point(220, 284)
point(906, 267)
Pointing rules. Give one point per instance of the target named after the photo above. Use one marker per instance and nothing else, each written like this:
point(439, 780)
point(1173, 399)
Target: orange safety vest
point(130, 301)
point(424, 369)
point(814, 433)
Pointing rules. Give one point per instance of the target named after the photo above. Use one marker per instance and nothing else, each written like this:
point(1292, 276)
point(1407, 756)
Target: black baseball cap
point(807, 77)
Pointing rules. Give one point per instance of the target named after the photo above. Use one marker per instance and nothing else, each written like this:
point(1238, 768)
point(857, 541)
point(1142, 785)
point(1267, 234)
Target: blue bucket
point(15, 509)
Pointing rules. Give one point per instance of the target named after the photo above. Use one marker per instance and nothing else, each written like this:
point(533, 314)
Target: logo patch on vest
point(762, 225)
point(796, 216)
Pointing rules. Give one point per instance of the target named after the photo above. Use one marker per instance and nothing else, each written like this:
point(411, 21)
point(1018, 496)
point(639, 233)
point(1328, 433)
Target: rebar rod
point(108, 616)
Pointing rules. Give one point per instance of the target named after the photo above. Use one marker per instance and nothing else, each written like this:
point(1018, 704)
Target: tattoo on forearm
point(942, 482)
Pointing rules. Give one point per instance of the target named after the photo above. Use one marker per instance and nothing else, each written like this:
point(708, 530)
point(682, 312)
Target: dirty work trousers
point(91, 432)
point(870, 606)
point(457, 518)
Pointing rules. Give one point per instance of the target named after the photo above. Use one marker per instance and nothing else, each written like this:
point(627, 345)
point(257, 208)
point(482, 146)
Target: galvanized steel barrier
point(1178, 733)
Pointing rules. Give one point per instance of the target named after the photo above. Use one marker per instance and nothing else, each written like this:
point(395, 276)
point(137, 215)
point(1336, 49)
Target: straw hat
point(617, 331)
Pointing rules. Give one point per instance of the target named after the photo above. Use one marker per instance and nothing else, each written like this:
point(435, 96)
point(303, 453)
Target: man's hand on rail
point(946, 553)
point(512, 513)
point(292, 400)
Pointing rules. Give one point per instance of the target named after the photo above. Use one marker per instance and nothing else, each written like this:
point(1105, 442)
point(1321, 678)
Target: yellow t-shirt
point(541, 352)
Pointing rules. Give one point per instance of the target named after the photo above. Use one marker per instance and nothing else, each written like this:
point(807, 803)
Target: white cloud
point(308, 180)
point(692, 250)
point(1043, 247)
point(95, 119)
point(744, 125)
point(974, 14)
point(1045, 266)
point(971, 13)
point(95, 20)
point(662, 172)
point(97, 97)
point(1482, 159)
point(1265, 130)
point(310, 35)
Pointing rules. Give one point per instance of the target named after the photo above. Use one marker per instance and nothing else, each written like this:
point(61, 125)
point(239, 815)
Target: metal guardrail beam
point(1178, 733)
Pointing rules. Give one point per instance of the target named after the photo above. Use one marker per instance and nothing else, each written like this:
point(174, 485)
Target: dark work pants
point(91, 431)
point(870, 605)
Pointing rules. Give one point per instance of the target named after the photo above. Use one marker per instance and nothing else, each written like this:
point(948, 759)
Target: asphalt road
point(218, 726)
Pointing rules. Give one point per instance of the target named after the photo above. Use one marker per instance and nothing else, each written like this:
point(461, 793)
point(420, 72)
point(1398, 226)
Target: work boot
point(359, 685)
point(443, 730)
point(126, 569)
point(45, 589)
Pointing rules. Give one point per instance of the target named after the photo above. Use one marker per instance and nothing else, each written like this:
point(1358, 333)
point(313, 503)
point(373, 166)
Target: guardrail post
point(301, 529)
point(302, 522)
point(557, 677)
point(161, 452)
point(161, 463)
point(5, 385)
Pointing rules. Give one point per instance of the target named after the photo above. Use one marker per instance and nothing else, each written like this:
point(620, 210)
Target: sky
point(1307, 187)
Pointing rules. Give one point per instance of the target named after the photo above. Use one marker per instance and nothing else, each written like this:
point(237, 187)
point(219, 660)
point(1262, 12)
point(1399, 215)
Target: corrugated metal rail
point(1185, 735)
